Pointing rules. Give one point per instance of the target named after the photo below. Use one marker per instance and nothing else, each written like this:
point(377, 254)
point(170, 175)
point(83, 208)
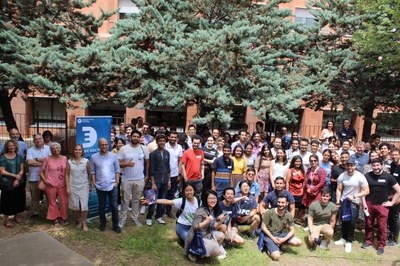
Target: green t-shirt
point(322, 214)
point(275, 223)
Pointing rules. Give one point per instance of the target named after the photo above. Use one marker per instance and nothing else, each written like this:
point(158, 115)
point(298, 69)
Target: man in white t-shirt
point(351, 187)
point(304, 153)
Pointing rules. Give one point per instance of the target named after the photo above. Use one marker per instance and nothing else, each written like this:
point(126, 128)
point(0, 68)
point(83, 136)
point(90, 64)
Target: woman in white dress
point(78, 185)
point(328, 131)
point(279, 166)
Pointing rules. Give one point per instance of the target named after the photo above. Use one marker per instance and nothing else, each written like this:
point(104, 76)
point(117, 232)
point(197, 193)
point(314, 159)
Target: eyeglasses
point(250, 173)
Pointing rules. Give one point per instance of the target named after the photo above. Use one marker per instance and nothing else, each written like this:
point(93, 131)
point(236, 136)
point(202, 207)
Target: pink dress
point(262, 165)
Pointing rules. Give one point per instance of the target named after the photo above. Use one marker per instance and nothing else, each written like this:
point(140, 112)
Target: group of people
point(223, 183)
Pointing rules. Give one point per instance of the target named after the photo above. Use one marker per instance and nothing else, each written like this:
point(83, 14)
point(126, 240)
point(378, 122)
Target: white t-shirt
point(305, 157)
point(174, 154)
point(187, 215)
point(352, 184)
point(138, 154)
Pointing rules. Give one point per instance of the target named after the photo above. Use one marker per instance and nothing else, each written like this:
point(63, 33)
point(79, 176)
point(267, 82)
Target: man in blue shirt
point(104, 172)
point(360, 157)
point(271, 200)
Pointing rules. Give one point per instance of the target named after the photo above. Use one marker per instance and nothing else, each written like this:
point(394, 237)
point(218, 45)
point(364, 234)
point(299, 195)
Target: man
point(304, 153)
point(360, 157)
point(337, 170)
point(259, 127)
point(191, 134)
point(351, 187)
point(104, 171)
point(384, 149)
point(276, 145)
point(34, 158)
point(241, 142)
point(256, 141)
point(394, 211)
point(346, 147)
point(321, 220)
point(22, 146)
point(175, 156)
point(294, 147)
point(128, 132)
point(271, 199)
point(134, 159)
point(379, 183)
point(346, 132)
point(285, 138)
point(160, 178)
point(375, 141)
point(146, 129)
point(314, 149)
point(192, 165)
point(210, 154)
point(222, 167)
point(121, 133)
point(276, 221)
point(215, 133)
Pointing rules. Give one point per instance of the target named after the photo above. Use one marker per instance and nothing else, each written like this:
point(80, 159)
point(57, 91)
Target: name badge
point(395, 174)
point(381, 180)
point(198, 156)
point(229, 167)
point(295, 173)
point(344, 134)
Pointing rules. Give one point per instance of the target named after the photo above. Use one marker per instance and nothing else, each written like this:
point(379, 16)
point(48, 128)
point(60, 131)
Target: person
point(384, 149)
point(360, 157)
point(146, 130)
point(22, 146)
point(321, 219)
point(375, 140)
point(315, 145)
point(337, 170)
point(256, 141)
point(394, 211)
point(294, 147)
point(346, 132)
point(191, 133)
point(328, 131)
point(285, 138)
point(175, 156)
point(227, 137)
point(220, 143)
point(208, 219)
point(134, 160)
point(295, 185)
point(271, 200)
point(228, 208)
point(47, 137)
point(210, 154)
point(327, 164)
point(304, 153)
point(246, 213)
point(34, 158)
point(379, 183)
point(276, 145)
point(254, 186)
point(239, 165)
point(12, 166)
point(373, 154)
point(118, 144)
point(263, 170)
point(160, 178)
point(275, 223)
point(215, 133)
point(351, 187)
point(53, 173)
point(314, 183)
point(248, 155)
point(222, 167)
point(121, 131)
point(241, 142)
point(192, 165)
point(279, 166)
point(78, 185)
point(104, 172)
point(346, 147)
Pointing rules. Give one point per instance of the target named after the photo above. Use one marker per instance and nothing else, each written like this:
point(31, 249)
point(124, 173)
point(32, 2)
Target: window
point(168, 115)
point(117, 111)
point(126, 8)
point(304, 16)
point(47, 109)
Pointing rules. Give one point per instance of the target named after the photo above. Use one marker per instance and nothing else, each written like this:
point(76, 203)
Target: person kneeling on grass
point(278, 227)
point(321, 220)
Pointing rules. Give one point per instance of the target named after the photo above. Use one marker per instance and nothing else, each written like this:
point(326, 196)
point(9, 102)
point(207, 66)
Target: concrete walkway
point(38, 249)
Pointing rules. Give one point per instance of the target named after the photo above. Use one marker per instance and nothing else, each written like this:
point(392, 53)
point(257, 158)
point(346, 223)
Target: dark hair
point(225, 190)
point(279, 178)
point(250, 169)
point(204, 202)
point(254, 134)
point(161, 136)
point(238, 146)
point(196, 137)
point(266, 146)
point(377, 160)
point(383, 144)
point(47, 133)
point(129, 125)
point(294, 159)
point(305, 140)
point(226, 146)
point(345, 152)
point(314, 141)
point(243, 182)
point(282, 196)
point(173, 132)
point(285, 161)
point(314, 156)
point(333, 127)
point(326, 190)
point(395, 149)
point(328, 151)
point(260, 123)
point(185, 186)
point(242, 130)
point(247, 144)
point(116, 140)
point(192, 125)
point(294, 139)
point(135, 131)
point(147, 124)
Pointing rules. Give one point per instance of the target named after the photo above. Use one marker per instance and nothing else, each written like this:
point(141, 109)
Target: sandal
point(18, 219)
point(9, 224)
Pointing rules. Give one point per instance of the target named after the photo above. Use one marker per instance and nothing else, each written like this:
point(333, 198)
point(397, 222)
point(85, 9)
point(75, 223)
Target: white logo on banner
point(89, 137)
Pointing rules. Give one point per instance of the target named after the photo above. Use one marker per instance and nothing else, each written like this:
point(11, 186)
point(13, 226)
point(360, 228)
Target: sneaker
point(366, 245)
point(380, 251)
point(192, 257)
point(306, 228)
point(347, 247)
point(160, 220)
point(102, 228)
point(221, 256)
point(137, 223)
point(324, 244)
point(143, 210)
point(149, 222)
point(117, 230)
point(339, 242)
point(392, 243)
point(121, 223)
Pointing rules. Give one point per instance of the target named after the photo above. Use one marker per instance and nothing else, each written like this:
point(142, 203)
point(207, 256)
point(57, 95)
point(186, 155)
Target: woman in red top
point(315, 182)
point(295, 185)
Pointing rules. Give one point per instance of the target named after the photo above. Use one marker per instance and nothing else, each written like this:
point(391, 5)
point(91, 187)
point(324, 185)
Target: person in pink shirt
point(53, 172)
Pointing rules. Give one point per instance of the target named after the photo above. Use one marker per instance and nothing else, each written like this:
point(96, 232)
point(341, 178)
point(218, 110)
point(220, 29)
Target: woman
point(327, 132)
point(12, 166)
point(263, 170)
point(118, 144)
point(220, 144)
point(246, 213)
point(78, 185)
point(249, 157)
point(254, 186)
point(208, 219)
point(227, 138)
point(47, 137)
point(53, 174)
point(314, 183)
point(295, 184)
point(239, 166)
point(327, 164)
point(279, 167)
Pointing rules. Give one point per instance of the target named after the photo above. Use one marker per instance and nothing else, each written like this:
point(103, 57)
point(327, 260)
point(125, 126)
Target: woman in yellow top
point(239, 166)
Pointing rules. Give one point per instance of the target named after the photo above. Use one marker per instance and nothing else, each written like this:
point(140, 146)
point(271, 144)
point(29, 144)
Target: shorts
point(297, 202)
point(271, 246)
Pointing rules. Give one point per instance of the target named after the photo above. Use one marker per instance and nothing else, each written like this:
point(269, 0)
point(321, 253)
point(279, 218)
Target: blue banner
point(89, 129)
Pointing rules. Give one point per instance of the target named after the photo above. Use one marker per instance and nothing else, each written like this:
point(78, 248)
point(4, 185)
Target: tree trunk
point(5, 103)
point(368, 117)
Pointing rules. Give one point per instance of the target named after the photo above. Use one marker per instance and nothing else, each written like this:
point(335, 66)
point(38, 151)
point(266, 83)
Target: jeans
point(348, 228)
point(182, 231)
point(172, 191)
point(113, 197)
point(161, 193)
point(394, 222)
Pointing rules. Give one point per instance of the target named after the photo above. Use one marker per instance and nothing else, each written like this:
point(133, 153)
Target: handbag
point(6, 183)
point(346, 211)
point(197, 244)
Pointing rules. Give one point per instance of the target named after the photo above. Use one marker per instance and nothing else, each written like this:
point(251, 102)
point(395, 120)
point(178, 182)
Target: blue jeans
point(113, 197)
point(161, 193)
point(182, 231)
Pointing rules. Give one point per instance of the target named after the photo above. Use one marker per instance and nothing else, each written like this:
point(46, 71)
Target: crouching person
point(278, 227)
point(246, 213)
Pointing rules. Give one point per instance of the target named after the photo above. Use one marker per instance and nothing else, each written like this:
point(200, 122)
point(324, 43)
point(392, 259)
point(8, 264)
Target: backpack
point(180, 210)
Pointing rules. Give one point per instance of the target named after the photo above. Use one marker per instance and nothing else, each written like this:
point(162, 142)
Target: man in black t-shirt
point(210, 154)
point(337, 170)
point(379, 183)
